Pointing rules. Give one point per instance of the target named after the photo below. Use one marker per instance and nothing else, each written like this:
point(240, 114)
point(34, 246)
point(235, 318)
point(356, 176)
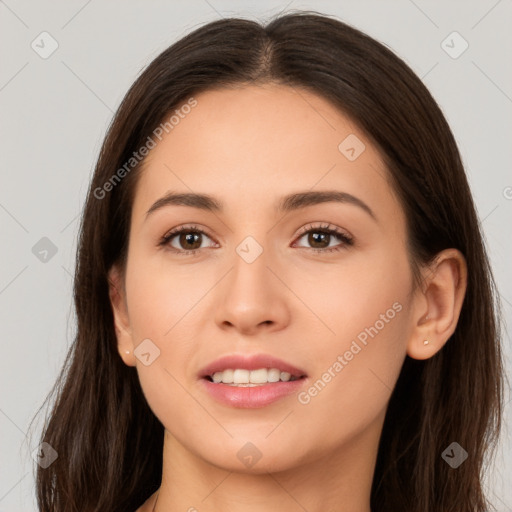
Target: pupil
point(189, 237)
point(315, 236)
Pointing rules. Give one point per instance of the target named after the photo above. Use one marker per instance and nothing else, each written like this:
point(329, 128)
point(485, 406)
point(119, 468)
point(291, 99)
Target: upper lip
point(249, 362)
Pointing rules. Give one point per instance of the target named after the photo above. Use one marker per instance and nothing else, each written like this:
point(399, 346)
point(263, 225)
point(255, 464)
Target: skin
point(248, 147)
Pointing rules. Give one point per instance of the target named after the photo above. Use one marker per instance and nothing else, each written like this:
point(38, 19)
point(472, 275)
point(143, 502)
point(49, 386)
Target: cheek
point(161, 310)
point(353, 379)
point(162, 295)
point(357, 365)
point(361, 300)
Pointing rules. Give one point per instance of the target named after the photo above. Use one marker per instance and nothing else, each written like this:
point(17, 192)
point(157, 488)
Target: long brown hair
point(109, 443)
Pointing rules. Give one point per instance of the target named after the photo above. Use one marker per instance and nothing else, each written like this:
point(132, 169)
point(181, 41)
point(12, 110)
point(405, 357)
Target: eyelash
point(327, 229)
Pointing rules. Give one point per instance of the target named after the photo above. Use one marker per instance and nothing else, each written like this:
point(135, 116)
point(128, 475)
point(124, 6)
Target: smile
point(251, 378)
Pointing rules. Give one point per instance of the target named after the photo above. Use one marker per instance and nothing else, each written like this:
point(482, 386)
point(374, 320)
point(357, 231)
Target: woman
point(282, 294)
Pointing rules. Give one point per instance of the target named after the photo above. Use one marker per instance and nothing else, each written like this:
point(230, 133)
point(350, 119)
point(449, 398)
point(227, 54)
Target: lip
point(250, 362)
point(250, 397)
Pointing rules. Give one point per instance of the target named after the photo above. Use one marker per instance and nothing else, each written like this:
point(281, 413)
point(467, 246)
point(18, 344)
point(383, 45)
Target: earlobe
point(438, 304)
point(120, 313)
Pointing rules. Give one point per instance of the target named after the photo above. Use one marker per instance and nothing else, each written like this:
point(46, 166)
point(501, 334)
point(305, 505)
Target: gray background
point(55, 112)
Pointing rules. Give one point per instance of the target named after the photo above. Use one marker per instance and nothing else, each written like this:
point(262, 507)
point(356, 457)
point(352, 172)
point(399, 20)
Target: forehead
point(255, 143)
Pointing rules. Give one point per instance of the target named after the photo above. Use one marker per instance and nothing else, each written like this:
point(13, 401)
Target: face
point(322, 286)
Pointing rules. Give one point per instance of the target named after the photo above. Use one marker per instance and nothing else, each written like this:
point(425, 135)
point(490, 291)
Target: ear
point(117, 297)
point(437, 304)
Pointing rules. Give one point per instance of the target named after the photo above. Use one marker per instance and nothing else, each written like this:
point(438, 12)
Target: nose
point(252, 298)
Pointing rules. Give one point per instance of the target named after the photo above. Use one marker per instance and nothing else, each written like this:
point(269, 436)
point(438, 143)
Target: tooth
point(227, 376)
point(251, 377)
point(258, 376)
point(273, 375)
point(241, 376)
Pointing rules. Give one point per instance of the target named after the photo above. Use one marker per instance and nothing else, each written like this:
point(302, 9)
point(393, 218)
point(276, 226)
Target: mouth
point(250, 370)
point(244, 381)
point(240, 377)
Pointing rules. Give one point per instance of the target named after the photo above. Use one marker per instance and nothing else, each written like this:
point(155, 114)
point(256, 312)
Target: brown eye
point(189, 240)
point(319, 238)
point(184, 239)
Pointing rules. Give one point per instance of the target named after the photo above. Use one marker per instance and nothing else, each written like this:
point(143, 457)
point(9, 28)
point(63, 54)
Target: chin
point(259, 456)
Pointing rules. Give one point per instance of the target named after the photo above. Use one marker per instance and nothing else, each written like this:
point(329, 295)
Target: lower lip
point(252, 397)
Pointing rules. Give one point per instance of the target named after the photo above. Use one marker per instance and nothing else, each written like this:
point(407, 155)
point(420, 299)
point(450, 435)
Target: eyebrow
point(286, 204)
